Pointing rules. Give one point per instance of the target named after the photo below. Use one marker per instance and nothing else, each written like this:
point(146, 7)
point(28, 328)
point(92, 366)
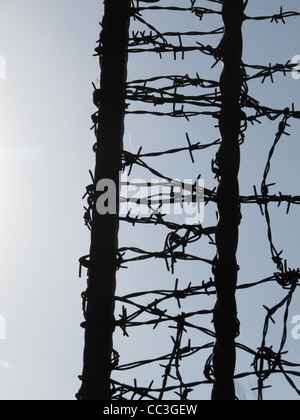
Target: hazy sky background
point(45, 155)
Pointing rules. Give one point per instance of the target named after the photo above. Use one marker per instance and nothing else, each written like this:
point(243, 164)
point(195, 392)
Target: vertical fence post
point(228, 161)
point(99, 325)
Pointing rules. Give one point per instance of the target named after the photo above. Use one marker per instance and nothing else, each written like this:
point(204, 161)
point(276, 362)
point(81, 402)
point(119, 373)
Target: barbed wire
point(152, 308)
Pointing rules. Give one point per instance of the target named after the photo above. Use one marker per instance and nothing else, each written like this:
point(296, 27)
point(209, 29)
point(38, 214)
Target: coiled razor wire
point(191, 96)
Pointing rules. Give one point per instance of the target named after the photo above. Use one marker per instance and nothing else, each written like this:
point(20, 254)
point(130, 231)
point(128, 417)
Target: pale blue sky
point(45, 155)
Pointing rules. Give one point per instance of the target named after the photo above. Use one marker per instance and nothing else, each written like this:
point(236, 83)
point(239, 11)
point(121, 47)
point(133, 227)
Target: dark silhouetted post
point(99, 297)
point(228, 161)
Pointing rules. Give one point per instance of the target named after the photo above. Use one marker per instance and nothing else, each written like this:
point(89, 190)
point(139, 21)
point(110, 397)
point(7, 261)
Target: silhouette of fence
point(229, 104)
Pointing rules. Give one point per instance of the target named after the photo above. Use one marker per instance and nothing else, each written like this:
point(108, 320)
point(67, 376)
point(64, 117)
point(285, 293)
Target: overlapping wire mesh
point(187, 366)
